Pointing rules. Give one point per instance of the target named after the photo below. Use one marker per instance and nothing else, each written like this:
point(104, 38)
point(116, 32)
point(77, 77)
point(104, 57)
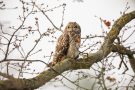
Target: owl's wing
point(61, 48)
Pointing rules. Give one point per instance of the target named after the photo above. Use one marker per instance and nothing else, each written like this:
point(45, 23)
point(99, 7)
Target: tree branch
point(6, 76)
point(122, 50)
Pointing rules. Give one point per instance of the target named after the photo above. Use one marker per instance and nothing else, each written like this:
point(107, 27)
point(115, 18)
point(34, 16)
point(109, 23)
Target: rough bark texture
point(67, 64)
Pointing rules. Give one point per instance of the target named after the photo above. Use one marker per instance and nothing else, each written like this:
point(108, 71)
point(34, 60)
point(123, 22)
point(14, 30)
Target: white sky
point(82, 12)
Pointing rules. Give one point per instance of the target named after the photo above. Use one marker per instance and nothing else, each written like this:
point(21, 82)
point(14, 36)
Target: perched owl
point(68, 43)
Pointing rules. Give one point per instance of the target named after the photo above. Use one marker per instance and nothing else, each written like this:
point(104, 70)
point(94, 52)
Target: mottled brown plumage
point(68, 43)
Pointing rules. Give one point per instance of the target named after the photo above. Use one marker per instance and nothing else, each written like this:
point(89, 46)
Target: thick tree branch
point(132, 62)
point(6, 76)
point(86, 62)
point(122, 50)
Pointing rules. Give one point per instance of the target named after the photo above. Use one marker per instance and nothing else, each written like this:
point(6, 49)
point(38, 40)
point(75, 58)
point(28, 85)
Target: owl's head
point(73, 27)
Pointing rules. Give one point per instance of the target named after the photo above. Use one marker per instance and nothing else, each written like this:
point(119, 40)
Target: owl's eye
point(68, 27)
point(75, 27)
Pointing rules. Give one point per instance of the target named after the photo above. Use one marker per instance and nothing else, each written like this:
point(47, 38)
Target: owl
point(68, 43)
